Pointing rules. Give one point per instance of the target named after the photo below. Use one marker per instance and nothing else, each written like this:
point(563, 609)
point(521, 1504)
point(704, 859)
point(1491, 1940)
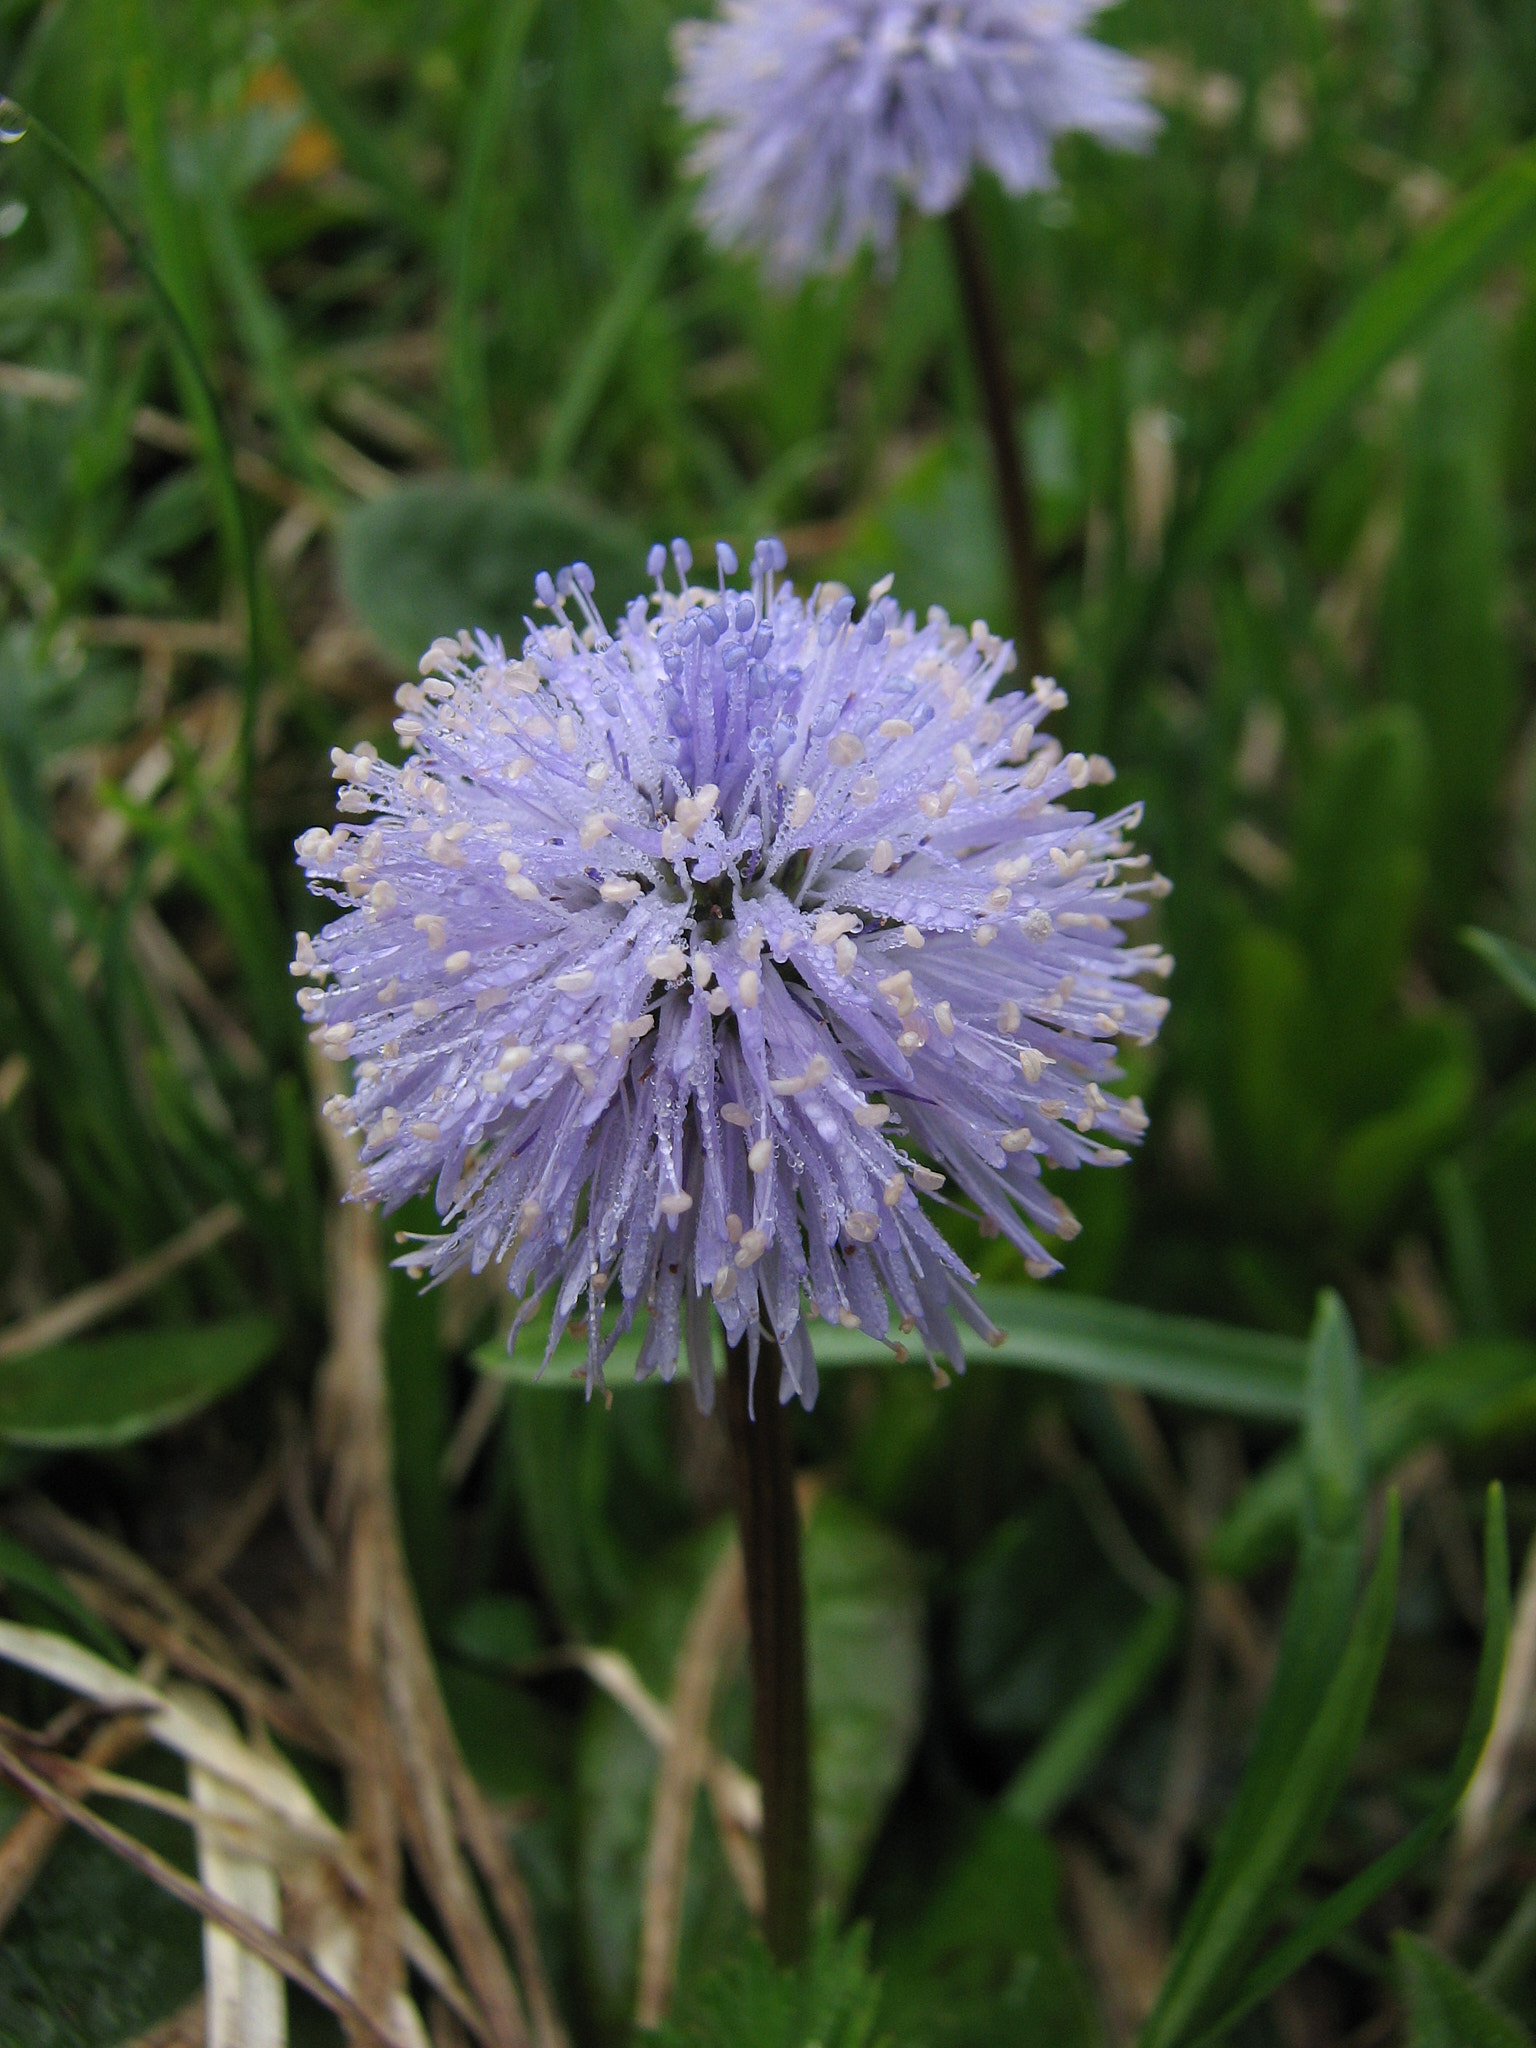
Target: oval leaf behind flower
point(117, 1389)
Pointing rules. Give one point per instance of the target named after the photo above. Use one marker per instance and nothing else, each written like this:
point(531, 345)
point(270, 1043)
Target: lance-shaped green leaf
point(22, 1568)
point(1325, 1678)
point(1463, 1392)
point(1514, 965)
point(1069, 1752)
point(114, 1390)
point(1235, 1372)
point(366, 150)
point(1445, 2008)
point(1383, 321)
point(595, 359)
point(1264, 1865)
point(1329, 1919)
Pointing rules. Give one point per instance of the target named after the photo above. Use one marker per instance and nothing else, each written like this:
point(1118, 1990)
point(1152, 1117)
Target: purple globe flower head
point(687, 959)
point(821, 116)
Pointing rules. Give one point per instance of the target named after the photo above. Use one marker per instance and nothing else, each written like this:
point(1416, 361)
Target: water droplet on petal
point(13, 121)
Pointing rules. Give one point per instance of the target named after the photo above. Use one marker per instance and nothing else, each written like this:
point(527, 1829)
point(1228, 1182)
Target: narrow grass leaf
point(257, 320)
point(1208, 1365)
point(1334, 1443)
point(22, 1567)
point(1449, 258)
point(468, 385)
point(600, 351)
point(1318, 1615)
point(1459, 1392)
point(1249, 1884)
point(1330, 1919)
point(1064, 1760)
point(1445, 2008)
point(365, 150)
point(1514, 965)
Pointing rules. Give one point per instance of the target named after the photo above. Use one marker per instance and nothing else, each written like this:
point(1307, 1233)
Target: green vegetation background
point(1278, 383)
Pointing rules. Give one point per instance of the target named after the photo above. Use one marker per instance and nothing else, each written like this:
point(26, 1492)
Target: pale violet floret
point(820, 117)
point(685, 960)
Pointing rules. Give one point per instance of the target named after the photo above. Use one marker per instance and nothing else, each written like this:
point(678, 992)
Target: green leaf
point(465, 241)
point(454, 552)
point(832, 1999)
point(1383, 321)
point(1263, 1853)
point(1461, 1392)
point(1335, 1439)
point(985, 1966)
point(1066, 1758)
point(936, 531)
point(1312, 1646)
point(864, 1642)
point(1237, 1372)
point(614, 1777)
point(1445, 2008)
point(114, 1390)
point(418, 1404)
point(257, 316)
point(1514, 965)
point(1291, 1780)
point(1444, 636)
point(1436, 1062)
point(1329, 1919)
point(1020, 1655)
point(596, 358)
point(366, 151)
point(20, 1567)
point(95, 1954)
point(496, 1628)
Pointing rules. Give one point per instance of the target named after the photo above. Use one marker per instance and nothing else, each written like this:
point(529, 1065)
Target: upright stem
point(984, 324)
point(770, 1545)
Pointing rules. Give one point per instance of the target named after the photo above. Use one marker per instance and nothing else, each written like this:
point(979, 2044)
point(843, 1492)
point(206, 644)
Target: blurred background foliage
point(1278, 387)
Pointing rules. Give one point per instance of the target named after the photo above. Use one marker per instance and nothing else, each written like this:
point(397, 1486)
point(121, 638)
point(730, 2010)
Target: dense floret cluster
point(686, 959)
point(822, 116)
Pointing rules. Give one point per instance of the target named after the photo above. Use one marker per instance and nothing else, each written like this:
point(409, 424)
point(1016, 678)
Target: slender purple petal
point(683, 962)
point(822, 116)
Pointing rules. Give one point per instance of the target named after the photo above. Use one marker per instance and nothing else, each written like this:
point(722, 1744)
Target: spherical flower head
point(821, 116)
point(691, 961)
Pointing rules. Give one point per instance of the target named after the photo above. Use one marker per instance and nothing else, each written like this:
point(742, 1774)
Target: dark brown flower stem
point(770, 1546)
point(984, 325)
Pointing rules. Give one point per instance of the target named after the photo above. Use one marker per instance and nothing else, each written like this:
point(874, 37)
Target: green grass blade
point(1460, 1392)
point(257, 320)
point(600, 351)
point(468, 386)
point(1269, 1856)
point(1514, 965)
point(1069, 1752)
point(1448, 259)
point(1319, 1613)
point(20, 1567)
point(177, 255)
point(1236, 1372)
point(1446, 2008)
point(1330, 1919)
point(186, 353)
point(366, 154)
point(1334, 1445)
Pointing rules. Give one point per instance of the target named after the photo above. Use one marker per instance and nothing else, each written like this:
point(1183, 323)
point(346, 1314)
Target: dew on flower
point(728, 1048)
